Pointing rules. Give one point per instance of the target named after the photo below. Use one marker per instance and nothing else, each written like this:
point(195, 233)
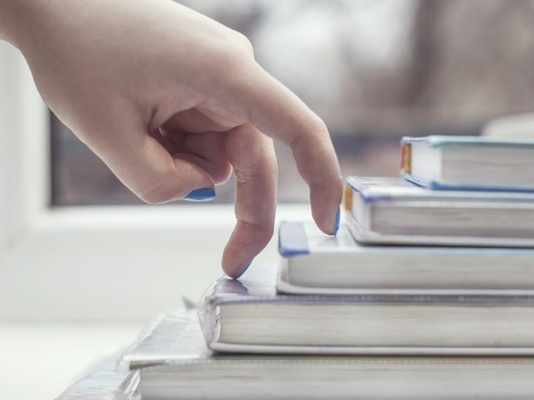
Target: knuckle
point(256, 231)
point(222, 173)
point(235, 46)
point(318, 124)
point(243, 43)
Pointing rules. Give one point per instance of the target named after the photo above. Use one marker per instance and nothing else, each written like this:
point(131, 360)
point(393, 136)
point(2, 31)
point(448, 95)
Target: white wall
point(4, 145)
point(9, 59)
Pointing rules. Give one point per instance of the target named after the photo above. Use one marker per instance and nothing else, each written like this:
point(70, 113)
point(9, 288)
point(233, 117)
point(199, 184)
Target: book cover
point(315, 263)
point(390, 211)
point(174, 363)
point(468, 163)
point(248, 315)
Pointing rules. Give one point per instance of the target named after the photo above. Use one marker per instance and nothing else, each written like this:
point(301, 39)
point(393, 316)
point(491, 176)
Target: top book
point(469, 163)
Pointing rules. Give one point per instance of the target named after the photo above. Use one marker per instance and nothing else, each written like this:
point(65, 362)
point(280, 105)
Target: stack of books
point(466, 191)
point(426, 292)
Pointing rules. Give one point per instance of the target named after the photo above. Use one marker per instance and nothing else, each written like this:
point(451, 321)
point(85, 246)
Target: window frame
point(117, 262)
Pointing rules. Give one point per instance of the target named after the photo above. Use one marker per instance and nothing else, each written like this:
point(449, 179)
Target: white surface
point(40, 359)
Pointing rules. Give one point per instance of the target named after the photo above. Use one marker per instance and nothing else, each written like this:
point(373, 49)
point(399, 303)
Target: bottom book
point(108, 379)
point(175, 363)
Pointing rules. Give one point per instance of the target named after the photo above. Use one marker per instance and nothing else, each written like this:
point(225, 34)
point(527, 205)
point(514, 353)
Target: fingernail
point(338, 216)
point(246, 267)
point(205, 194)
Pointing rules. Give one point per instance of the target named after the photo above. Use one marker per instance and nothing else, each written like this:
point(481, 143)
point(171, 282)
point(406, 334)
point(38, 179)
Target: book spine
point(356, 207)
point(406, 157)
point(347, 198)
point(208, 316)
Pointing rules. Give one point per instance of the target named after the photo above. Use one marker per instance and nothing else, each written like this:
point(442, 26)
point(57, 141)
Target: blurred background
point(75, 280)
point(374, 70)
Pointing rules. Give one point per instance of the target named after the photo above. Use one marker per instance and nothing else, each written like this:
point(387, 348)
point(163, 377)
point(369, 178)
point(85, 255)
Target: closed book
point(469, 162)
point(389, 210)
point(248, 315)
point(315, 263)
point(175, 363)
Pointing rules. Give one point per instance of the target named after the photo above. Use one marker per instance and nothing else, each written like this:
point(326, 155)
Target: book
point(469, 162)
point(108, 379)
point(389, 210)
point(175, 363)
point(315, 263)
point(249, 316)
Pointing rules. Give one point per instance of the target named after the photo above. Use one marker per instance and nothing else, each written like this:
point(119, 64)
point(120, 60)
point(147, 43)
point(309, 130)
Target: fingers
point(144, 165)
point(192, 120)
point(252, 156)
point(277, 112)
point(204, 149)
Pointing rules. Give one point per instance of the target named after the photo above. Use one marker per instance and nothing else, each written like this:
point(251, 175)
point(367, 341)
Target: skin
point(173, 101)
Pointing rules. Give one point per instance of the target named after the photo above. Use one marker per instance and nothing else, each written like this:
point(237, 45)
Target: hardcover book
point(248, 315)
point(175, 363)
point(469, 162)
point(388, 210)
point(315, 263)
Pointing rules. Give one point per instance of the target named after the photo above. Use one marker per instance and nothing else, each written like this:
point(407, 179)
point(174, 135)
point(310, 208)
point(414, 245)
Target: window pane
point(374, 70)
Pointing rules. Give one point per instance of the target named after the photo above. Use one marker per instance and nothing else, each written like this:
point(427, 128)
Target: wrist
point(18, 19)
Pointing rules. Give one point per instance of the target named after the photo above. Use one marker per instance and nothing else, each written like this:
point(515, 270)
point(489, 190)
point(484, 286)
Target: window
point(374, 70)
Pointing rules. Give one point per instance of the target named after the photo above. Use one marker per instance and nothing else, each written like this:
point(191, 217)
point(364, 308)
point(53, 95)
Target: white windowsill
point(40, 359)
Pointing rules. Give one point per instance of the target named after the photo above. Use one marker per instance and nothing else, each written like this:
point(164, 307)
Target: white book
point(175, 363)
point(248, 315)
point(469, 162)
point(390, 211)
point(315, 263)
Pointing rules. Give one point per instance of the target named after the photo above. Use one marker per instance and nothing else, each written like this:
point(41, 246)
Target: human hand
point(172, 101)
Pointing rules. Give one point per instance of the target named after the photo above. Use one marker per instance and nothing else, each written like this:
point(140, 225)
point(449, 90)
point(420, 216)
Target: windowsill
point(39, 360)
point(117, 263)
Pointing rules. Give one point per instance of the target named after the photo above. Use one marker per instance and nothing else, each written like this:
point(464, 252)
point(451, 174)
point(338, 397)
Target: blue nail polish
point(338, 216)
point(205, 194)
point(242, 272)
point(248, 265)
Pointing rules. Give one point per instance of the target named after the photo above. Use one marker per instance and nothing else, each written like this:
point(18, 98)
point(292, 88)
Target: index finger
point(252, 156)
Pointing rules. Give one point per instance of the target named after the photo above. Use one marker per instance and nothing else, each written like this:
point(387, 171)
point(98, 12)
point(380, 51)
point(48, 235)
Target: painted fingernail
point(338, 216)
point(243, 270)
point(205, 194)
point(246, 267)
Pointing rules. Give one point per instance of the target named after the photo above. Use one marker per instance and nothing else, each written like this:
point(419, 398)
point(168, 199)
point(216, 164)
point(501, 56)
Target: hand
point(172, 102)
